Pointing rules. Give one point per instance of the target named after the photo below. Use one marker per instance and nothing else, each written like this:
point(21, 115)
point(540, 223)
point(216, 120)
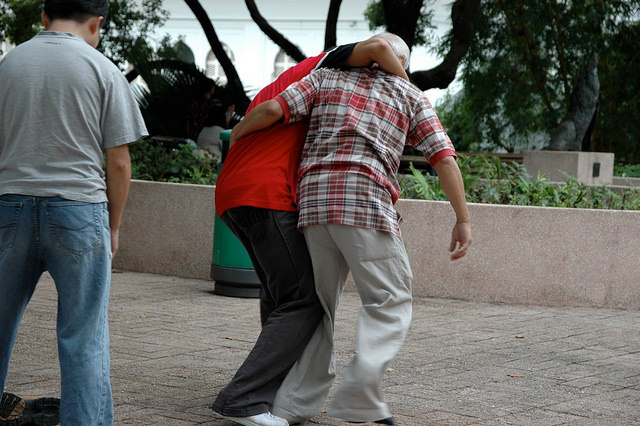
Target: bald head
point(398, 46)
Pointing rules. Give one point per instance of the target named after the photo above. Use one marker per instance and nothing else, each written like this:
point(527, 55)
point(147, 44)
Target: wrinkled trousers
point(289, 307)
point(380, 268)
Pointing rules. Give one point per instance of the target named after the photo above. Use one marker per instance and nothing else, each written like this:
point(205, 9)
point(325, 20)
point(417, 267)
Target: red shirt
point(261, 169)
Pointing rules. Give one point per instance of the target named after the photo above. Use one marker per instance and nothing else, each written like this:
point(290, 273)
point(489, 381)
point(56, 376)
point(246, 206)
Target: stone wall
point(167, 228)
point(528, 255)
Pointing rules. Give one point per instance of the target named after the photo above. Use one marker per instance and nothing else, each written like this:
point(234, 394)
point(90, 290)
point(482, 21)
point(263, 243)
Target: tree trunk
point(463, 15)
point(574, 133)
point(234, 84)
point(289, 48)
point(330, 39)
point(401, 17)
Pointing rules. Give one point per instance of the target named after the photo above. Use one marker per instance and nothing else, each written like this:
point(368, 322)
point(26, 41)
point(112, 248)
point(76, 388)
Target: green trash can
point(231, 267)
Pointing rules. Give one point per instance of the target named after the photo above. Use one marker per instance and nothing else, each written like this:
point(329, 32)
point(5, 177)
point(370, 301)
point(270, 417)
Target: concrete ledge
point(167, 228)
point(528, 255)
point(625, 181)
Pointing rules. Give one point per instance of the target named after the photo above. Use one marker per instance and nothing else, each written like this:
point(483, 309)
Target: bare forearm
point(117, 192)
point(451, 182)
point(261, 117)
point(453, 186)
point(118, 182)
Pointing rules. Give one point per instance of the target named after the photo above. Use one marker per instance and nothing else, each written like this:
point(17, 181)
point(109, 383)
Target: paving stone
point(175, 344)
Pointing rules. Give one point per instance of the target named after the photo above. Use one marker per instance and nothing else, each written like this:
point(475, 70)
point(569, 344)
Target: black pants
point(289, 307)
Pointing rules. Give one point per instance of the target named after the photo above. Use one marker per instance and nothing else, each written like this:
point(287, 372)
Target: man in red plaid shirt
point(360, 121)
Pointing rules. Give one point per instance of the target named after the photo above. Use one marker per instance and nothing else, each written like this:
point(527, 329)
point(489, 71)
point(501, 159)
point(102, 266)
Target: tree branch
point(289, 48)
point(330, 39)
point(530, 55)
point(463, 15)
point(401, 17)
point(234, 84)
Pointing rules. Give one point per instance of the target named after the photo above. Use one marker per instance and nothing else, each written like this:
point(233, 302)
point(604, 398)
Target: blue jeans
point(72, 241)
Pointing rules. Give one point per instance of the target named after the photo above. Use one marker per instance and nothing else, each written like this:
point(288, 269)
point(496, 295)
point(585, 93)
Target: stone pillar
point(590, 168)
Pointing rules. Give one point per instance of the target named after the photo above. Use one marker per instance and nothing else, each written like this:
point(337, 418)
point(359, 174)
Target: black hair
point(77, 10)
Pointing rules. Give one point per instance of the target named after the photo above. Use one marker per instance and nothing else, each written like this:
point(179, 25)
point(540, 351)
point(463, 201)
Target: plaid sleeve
point(427, 133)
point(299, 97)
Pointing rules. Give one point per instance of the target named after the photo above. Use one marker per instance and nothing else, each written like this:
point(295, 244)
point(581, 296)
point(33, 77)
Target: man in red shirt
point(256, 198)
point(360, 121)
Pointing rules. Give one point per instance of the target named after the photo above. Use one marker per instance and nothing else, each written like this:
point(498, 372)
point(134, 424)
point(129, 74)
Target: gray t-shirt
point(61, 103)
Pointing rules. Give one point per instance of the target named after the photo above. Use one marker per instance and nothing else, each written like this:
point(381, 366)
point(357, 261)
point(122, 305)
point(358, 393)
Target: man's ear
point(95, 24)
point(45, 20)
point(404, 61)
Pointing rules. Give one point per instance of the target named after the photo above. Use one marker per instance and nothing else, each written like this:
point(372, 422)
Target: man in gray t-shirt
point(62, 104)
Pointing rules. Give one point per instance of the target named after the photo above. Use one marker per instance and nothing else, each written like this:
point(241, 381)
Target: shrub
point(171, 162)
point(626, 170)
point(489, 180)
point(486, 179)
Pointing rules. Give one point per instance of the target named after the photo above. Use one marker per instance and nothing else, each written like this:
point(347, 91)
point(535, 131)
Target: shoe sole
point(44, 411)
point(238, 420)
point(37, 412)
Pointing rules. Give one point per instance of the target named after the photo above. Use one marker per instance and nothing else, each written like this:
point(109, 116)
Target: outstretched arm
point(451, 182)
point(377, 50)
point(262, 116)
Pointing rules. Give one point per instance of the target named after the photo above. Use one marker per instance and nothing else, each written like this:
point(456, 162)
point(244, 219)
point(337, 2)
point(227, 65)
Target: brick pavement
point(175, 344)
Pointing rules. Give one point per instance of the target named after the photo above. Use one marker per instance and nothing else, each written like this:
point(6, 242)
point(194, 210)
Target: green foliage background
point(171, 162)
point(489, 180)
point(517, 76)
point(126, 34)
point(522, 67)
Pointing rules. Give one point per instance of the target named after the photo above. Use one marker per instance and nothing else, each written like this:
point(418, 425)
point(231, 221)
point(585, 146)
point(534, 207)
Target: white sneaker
point(264, 419)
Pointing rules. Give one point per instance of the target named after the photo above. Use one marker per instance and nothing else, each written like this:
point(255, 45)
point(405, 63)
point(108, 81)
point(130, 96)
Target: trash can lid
point(225, 135)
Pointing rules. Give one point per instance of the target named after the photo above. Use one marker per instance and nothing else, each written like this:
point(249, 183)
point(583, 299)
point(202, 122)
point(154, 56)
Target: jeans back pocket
point(9, 216)
point(75, 226)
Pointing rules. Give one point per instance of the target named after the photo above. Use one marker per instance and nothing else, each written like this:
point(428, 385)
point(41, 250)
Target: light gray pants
point(380, 269)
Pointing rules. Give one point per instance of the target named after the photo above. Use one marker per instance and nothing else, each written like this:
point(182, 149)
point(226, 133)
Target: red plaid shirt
point(360, 121)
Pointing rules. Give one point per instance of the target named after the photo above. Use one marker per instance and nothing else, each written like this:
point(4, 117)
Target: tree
point(411, 20)
point(19, 20)
point(523, 65)
point(618, 127)
point(330, 39)
point(463, 14)
point(290, 48)
point(125, 34)
point(234, 84)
